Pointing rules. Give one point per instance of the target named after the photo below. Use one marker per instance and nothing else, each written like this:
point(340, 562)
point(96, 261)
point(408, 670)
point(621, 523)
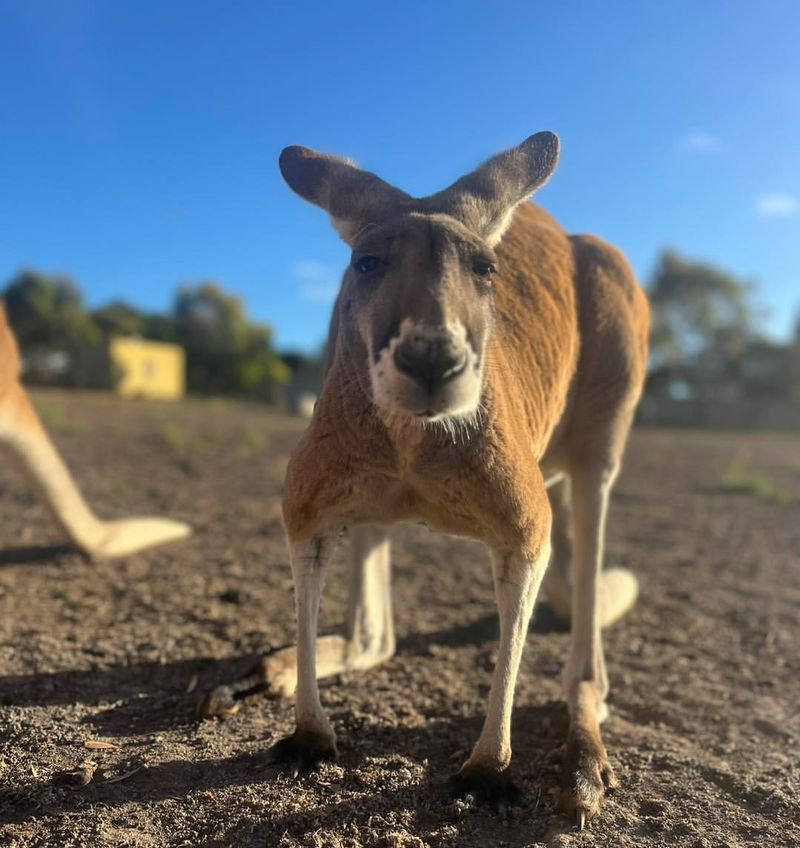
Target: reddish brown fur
point(560, 375)
point(565, 366)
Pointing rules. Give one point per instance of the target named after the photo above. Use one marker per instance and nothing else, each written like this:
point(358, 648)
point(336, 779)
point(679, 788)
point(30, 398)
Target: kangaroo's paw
point(276, 674)
point(225, 700)
point(128, 535)
point(303, 750)
point(279, 671)
point(587, 776)
point(484, 787)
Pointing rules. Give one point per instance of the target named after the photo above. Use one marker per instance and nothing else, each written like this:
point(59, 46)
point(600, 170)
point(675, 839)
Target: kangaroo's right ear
point(485, 199)
point(352, 197)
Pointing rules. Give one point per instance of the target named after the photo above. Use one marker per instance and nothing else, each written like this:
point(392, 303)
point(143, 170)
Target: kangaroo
point(22, 432)
point(483, 371)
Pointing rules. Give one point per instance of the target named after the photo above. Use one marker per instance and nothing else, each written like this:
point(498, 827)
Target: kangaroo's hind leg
point(368, 638)
point(22, 432)
point(587, 773)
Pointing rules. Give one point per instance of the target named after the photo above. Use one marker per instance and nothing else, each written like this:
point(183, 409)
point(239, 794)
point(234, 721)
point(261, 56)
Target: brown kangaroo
point(483, 371)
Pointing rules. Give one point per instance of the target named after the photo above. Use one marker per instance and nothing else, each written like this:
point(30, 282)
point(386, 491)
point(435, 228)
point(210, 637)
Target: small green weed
point(740, 478)
point(175, 438)
point(52, 415)
point(250, 441)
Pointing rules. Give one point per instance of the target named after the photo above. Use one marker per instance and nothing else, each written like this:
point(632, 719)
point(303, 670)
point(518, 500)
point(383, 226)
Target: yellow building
point(146, 369)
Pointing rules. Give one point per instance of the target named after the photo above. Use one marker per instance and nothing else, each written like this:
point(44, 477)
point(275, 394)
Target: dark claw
point(485, 788)
point(301, 752)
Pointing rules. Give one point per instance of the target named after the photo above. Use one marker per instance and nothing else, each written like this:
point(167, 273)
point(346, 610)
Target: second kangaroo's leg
point(587, 773)
point(517, 577)
point(618, 588)
point(22, 432)
point(368, 639)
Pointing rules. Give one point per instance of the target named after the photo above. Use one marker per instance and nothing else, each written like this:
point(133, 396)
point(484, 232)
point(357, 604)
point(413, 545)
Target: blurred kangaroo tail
point(618, 592)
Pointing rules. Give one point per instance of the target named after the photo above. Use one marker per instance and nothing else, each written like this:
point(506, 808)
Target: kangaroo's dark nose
point(431, 362)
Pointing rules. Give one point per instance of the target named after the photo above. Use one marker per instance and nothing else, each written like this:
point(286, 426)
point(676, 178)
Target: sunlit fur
point(562, 356)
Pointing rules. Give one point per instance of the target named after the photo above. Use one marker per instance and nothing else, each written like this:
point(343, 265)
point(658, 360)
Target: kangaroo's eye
point(367, 264)
point(483, 268)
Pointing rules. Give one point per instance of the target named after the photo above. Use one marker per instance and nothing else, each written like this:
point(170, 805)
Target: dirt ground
point(705, 672)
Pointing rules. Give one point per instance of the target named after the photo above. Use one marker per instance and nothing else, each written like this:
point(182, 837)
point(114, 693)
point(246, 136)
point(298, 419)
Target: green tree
point(120, 319)
point(702, 324)
point(225, 352)
point(697, 307)
point(60, 342)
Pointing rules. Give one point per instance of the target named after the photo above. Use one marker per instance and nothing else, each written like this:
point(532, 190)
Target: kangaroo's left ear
point(351, 196)
point(485, 199)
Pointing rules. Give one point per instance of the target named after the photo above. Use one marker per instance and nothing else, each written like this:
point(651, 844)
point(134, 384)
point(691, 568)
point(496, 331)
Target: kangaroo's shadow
point(479, 632)
point(541, 726)
point(150, 697)
point(34, 554)
point(155, 696)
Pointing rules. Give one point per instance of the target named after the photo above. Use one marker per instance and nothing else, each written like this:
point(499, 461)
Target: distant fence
point(731, 415)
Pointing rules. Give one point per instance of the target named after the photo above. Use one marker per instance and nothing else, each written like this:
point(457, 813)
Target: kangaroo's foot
point(128, 535)
point(303, 750)
point(22, 431)
point(587, 775)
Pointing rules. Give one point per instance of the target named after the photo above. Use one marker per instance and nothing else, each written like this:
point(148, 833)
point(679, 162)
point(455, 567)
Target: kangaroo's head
point(416, 302)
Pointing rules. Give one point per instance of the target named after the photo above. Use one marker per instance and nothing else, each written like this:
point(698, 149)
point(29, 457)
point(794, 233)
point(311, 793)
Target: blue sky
point(139, 140)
